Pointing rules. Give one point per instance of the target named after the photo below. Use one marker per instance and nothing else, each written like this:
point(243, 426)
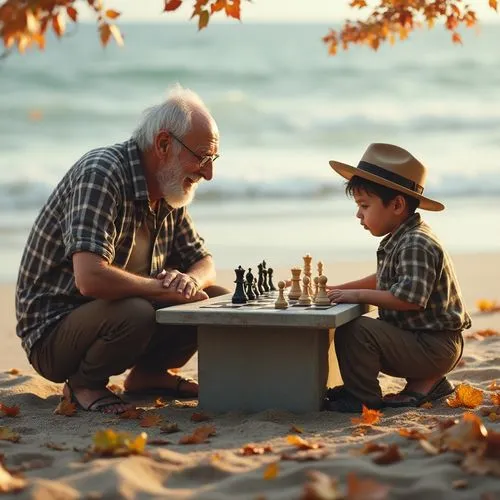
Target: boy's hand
point(343, 296)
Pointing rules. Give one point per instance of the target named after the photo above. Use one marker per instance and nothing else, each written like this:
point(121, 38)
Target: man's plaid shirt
point(414, 267)
point(97, 207)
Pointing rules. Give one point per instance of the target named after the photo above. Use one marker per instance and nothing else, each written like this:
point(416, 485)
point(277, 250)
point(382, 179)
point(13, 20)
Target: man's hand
point(182, 283)
point(344, 296)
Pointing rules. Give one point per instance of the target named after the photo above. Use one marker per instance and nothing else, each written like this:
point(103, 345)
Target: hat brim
point(347, 171)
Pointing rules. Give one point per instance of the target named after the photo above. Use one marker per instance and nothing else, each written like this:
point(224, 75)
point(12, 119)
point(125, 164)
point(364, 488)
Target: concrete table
point(253, 358)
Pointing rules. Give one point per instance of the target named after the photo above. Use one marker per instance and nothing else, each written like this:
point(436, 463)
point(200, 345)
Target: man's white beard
point(171, 179)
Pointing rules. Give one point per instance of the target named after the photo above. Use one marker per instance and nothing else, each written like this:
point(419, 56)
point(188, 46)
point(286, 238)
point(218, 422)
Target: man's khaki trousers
point(104, 338)
point(367, 346)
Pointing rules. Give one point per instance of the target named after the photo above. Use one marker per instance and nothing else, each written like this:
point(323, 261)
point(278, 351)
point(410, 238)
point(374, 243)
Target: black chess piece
point(255, 289)
point(260, 283)
point(265, 285)
point(249, 285)
point(239, 297)
point(270, 272)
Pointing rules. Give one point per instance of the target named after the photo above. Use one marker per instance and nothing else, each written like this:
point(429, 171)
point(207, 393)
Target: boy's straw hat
point(393, 167)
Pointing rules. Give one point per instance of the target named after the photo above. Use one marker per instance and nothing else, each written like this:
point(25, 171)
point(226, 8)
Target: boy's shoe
point(440, 389)
point(348, 403)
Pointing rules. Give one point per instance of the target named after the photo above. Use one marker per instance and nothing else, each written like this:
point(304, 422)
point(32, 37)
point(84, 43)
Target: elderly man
point(113, 243)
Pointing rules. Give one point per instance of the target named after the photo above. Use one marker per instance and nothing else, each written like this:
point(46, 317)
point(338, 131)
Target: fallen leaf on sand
point(305, 455)
point(368, 417)
point(389, 456)
point(372, 447)
point(303, 444)
point(14, 371)
point(132, 414)
point(459, 484)
point(10, 411)
point(365, 489)
point(200, 417)
point(159, 403)
point(494, 386)
point(271, 471)
point(495, 398)
point(465, 396)
point(427, 405)
point(199, 435)
point(151, 420)
point(320, 486)
point(65, 408)
point(9, 483)
point(411, 434)
point(110, 443)
point(486, 305)
point(253, 449)
point(117, 389)
point(8, 435)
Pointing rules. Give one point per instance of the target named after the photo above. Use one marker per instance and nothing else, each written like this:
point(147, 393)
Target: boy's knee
point(353, 330)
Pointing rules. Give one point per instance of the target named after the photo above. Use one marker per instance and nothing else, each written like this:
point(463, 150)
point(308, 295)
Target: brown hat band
point(390, 176)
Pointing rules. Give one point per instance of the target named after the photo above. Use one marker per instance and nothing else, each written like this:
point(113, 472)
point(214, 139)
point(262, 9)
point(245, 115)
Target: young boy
point(418, 335)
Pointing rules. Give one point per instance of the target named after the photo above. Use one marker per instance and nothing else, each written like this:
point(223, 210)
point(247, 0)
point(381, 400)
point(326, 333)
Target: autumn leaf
point(172, 5)
point(271, 471)
point(10, 411)
point(116, 34)
point(199, 435)
point(389, 456)
point(14, 371)
point(365, 489)
point(169, 428)
point(112, 443)
point(233, 9)
point(9, 483)
point(253, 449)
point(65, 408)
point(485, 305)
point(372, 447)
point(7, 434)
point(159, 403)
point(295, 428)
point(58, 25)
point(494, 386)
point(104, 34)
point(411, 434)
point(72, 13)
point(200, 417)
point(427, 405)
point(305, 455)
point(493, 4)
point(112, 14)
point(204, 17)
point(368, 417)
point(132, 414)
point(320, 486)
point(465, 396)
point(151, 420)
point(495, 398)
point(117, 389)
point(303, 444)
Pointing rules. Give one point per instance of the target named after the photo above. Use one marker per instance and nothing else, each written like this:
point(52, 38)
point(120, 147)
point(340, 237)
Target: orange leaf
point(72, 13)
point(150, 420)
point(411, 434)
point(365, 489)
point(495, 398)
point(132, 414)
point(368, 417)
point(159, 403)
point(112, 14)
point(271, 471)
point(218, 5)
point(389, 456)
point(172, 5)
point(233, 9)
point(465, 396)
point(65, 408)
point(494, 386)
point(9, 483)
point(14, 371)
point(203, 21)
point(10, 411)
point(493, 4)
point(104, 33)
point(117, 389)
point(58, 25)
point(252, 449)
point(199, 435)
point(303, 444)
point(200, 417)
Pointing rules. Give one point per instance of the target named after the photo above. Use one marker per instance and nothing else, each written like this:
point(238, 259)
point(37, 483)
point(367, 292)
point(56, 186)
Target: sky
point(323, 11)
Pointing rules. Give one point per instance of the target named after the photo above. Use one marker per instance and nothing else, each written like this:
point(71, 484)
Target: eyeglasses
point(202, 159)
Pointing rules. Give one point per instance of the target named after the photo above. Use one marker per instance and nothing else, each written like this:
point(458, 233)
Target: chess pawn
point(295, 291)
point(305, 298)
point(281, 302)
point(240, 296)
point(322, 297)
point(270, 272)
point(316, 285)
point(249, 285)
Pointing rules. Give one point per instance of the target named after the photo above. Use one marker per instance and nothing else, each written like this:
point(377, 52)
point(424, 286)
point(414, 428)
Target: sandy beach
point(50, 456)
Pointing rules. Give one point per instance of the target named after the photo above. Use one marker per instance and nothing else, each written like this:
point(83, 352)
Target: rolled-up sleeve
point(89, 223)
point(416, 272)
point(189, 246)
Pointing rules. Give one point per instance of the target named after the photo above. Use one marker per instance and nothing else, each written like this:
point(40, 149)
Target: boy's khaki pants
point(367, 346)
point(103, 338)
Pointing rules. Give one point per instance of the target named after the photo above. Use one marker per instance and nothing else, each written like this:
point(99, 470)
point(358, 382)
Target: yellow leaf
point(271, 471)
point(465, 396)
point(111, 443)
point(112, 14)
point(493, 4)
point(495, 398)
point(303, 444)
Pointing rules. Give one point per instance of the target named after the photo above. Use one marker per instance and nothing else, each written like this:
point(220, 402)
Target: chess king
point(418, 334)
point(113, 243)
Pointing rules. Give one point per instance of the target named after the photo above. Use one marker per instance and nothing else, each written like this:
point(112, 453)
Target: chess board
point(265, 301)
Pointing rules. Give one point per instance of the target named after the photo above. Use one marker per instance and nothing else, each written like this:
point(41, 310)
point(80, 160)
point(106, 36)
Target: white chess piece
point(295, 291)
point(320, 268)
point(305, 298)
point(281, 302)
point(322, 298)
point(316, 286)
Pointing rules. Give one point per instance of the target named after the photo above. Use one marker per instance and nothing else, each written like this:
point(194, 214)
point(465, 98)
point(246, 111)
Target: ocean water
point(284, 108)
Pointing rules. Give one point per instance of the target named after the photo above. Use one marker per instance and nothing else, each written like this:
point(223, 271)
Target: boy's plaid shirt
point(97, 207)
point(414, 267)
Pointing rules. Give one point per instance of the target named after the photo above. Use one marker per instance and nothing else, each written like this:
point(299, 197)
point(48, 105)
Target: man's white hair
point(174, 115)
